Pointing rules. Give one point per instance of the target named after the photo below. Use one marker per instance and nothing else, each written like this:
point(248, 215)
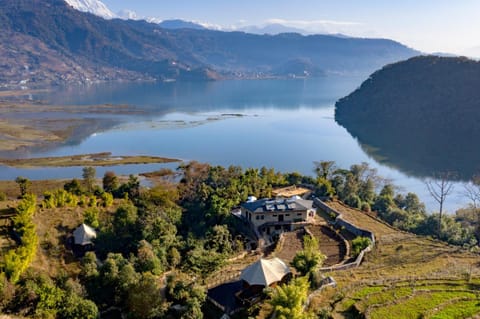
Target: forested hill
point(421, 115)
point(47, 41)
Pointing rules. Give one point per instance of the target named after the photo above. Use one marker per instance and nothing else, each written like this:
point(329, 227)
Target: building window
point(257, 217)
point(287, 215)
point(274, 215)
point(262, 217)
point(299, 214)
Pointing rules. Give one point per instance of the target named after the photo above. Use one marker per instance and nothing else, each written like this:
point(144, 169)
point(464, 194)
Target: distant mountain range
point(95, 7)
point(421, 116)
point(49, 42)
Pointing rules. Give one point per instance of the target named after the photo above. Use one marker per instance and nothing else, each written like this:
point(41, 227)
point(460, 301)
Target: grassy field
point(405, 276)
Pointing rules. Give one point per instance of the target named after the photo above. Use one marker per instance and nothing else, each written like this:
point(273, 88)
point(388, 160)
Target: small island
point(420, 115)
point(97, 159)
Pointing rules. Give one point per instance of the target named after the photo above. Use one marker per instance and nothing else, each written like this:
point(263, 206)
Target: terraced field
point(411, 299)
point(330, 244)
point(405, 276)
point(290, 245)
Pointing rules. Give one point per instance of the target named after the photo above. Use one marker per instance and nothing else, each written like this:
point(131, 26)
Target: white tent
point(84, 234)
point(265, 272)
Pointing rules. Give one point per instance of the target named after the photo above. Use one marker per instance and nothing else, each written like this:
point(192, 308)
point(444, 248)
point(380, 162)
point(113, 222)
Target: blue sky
point(427, 25)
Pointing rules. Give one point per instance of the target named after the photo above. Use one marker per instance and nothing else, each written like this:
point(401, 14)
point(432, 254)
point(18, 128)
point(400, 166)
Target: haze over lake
point(284, 124)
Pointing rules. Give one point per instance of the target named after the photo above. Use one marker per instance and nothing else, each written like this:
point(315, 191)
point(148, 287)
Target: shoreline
point(94, 160)
point(27, 125)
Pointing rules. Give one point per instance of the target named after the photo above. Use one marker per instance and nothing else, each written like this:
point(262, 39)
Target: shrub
point(3, 197)
point(366, 207)
point(16, 261)
point(359, 244)
point(90, 217)
point(107, 199)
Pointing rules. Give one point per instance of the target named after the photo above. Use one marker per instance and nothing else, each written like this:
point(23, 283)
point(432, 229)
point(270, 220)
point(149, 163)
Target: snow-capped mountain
point(95, 7)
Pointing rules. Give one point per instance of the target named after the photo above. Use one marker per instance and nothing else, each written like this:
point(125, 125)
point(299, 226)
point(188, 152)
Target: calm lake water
point(285, 124)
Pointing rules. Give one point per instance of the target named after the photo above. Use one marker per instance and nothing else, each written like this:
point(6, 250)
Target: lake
point(285, 124)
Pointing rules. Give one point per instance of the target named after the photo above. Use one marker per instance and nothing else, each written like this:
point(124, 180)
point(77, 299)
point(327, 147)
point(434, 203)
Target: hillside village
point(346, 261)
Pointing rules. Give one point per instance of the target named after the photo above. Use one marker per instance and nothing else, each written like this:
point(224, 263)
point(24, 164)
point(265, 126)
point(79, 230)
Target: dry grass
point(54, 226)
point(11, 189)
point(97, 159)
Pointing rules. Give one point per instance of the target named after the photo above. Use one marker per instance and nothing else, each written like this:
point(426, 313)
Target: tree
point(439, 188)
point(145, 298)
point(182, 290)
point(73, 187)
point(89, 174)
point(219, 239)
point(471, 190)
point(324, 169)
point(110, 182)
point(24, 184)
point(288, 300)
point(310, 258)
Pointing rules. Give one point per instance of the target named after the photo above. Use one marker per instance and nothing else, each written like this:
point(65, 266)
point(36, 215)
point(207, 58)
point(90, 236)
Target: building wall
point(259, 219)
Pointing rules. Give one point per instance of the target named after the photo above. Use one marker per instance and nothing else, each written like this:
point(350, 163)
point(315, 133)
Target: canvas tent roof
point(84, 234)
point(265, 272)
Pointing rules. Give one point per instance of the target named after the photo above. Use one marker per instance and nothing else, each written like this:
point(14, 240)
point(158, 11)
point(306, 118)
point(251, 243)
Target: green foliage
point(74, 187)
point(147, 261)
point(24, 185)
point(219, 240)
point(3, 196)
point(89, 174)
point(288, 300)
point(183, 290)
point(359, 244)
point(59, 198)
point(16, 261)
point(107, 199)
point(90, 217)
point(125, 217)
point(203, 261)
point(145, 298)
point(43, 298)
point(310, 258)
point(209, 193)
point(110, 182)
point(324, 188)
point(414, 136)
point(366, 207)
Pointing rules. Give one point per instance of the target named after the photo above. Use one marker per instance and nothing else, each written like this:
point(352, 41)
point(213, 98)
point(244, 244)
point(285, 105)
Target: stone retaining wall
point(340, 222)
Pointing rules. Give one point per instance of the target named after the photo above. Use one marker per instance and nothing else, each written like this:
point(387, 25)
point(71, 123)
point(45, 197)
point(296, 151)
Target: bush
point(90, 217)
point(366, 207)
point(359, 244)
point(107, 199)
point(3, 197)
point(16, 261)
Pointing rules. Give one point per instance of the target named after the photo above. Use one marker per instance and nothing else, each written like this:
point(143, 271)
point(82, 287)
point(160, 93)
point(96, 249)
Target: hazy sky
point(427, 25)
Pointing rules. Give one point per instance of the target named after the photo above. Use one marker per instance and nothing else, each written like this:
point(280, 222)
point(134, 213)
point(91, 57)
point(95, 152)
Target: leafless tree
point(471, 190)
point(439, 187)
